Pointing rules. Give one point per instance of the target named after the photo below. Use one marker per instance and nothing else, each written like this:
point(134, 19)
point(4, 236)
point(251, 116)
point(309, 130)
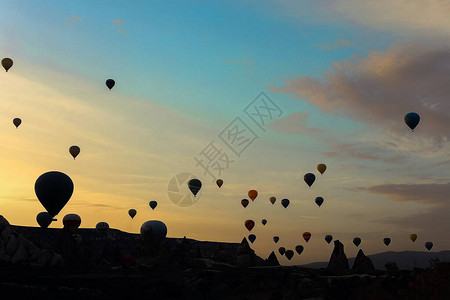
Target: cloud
point(296, 123)
point(118, 21)
point(342, 43)
point(358, 151)
point(73, 20)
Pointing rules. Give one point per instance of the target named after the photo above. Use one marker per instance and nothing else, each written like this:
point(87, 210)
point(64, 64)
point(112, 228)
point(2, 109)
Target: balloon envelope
point(289, 254)
point(285, 202)
point(102, 226)
point(245, 202)
point(321, 168)
point(309, 178)
point(429, 245)
point(72, 222)
point(194, 186)
point(7, 63)
point(306, 235)
point(219, 182)
point(299, 249)
point(252, 238)
point(252, 194)
point(53, 190)
point(328, 238)
point(319, 201)
point(110, 83)
point(413, 237)
point(282, 250)
point(264, 221)
point(132, 212)
point(356, 241)
point(276, 239)
point(17, 122)
point(153, 204)
point(387, 241)
point(412, 119)
point(74, 151)
point(154, 231)
point(249, 224)
point(272, 200)
point(44, 219)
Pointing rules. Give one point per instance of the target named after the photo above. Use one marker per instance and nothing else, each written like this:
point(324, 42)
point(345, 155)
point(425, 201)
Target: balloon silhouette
point(71, 222)
point(387, 241)
point(321, 168)
point(249, 224)
point(264, 221)
point(319, 201)
point(282, 250)
point(285, 203)
point(194, 186)
point(53, 189)
point(289, 254)
point(412, 119)
point(299, 249)
point(102, 226)
point(252, 238)
point(356, 241)
point(429, 245)
point(17, 122)
point(154, 231)
point(44, 219)
point(7, 63)
point(252, 194)
point(306, 236)
point(74, 151)
point(413, 237)
point(153, 204)
point(110, 83)
point(272, 200)
point(328, 238)
point(309, 178)
point(276, 239)
point(245, 202)
point(132, 212)
point(219, 182)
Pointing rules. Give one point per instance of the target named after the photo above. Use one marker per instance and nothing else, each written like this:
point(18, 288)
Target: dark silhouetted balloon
point(276, 239)
point(72, 222)
point(387, 241)
point(7, 63)
point(102, 226)
point(249, 224)
point(194, 186)
point(110, 83)
point(74, 151)
point(299, 249)
point(285, 203)
point(272, 200)
point(264, 221)
point(321, 168)
point(17, 122)
point(219, 182)
point(413, 237)
point(319, 201)
point(53, 190)
point(245, 202)
point(282, 250)
point(356, 241)
point(289, 254)
point(412, 119)
point(252, 194)
point(132, 212)
point(328, 238)
point(153, 204)
point(252, 238)
point(309, 178)
point(44, 219)
point(306, 235)
point(154, 231)
point(429, 245)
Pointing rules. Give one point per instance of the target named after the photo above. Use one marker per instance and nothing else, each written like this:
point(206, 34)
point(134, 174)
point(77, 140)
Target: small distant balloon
point(289, 254)
point(356, 241)
point(249, 224)
point(299, 249)
point(153, 204)
point(219, 183)
point(245, 202)
point(44, 219)
point(306, 236)
point(132, 212)
point(387, 241)
point(282, 250)
point(429, 245)
point(412, 119)
point(328, 238)
point(194, 186)
point(319, 201)
point(72, 222)
point(7, 63)
point(276, 239)
point(272, 200)
point(285, 202)
point(74, 151)
point(264, 221)
point(309, 178)
point(110, 83)
point(413, 237)
point(252, 194)
point(321, 168)
point(17, 122)
point(252, 238)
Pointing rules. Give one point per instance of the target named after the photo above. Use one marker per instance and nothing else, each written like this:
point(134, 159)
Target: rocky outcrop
point(245, 255)
point(338, 264)
point(272, 260)
point(363, 264)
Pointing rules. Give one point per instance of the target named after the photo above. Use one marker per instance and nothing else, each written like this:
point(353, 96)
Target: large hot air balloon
point(319, 201)
point(53, 189)
point(328, 238)
point(282, 250)
point(413, 237)
point(387, 241)
point(289, 254)
point(17, 122)
point(309, 178)
point(102, 226)
point(306, 236)
point(194, 186)
point(321, 168)
point(7, 63)
point(154, 231)
point(264, 221)
point(285, 203)
point(132, 212)
point(356, 241)
point(219, 182)
point(245, 202)
point(412, 119)
point(153, 204)
point(44, 219)
point(71, 222)
point(276, 239)
point(252, 238)
point(299, 249)
point(249, 224)
point(110, 83)
point(272, 200)
point(429, 245)
point(74, 151)
point(252, 194)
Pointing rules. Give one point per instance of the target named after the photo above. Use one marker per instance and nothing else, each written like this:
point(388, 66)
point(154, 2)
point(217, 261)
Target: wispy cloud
point(296, 123)
point(118, 21)
point(73, 20)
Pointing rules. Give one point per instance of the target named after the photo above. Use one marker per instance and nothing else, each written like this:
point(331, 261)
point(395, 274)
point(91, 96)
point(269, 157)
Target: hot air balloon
point(53, 189)
point(102, 226)
point(252, 194)
point(71, 222)
point(387, 241)
point(319, 201)
point(44, 219)
point(154, 231)
point(74, 151)
point(17, 122)
point(219, 182)
point(306, 236)
point(282, 250)
point(309, 178)
point(194, 186)
point(328, 238)
point(276, 239)
point(245, 202)
point(321, 168)
point(356, 241)
point(429, 245)
point(412, 119)
point(110, 83)
point(132, 212)
point(289, 254)
point(272, 200)
point(7, 63)
point(285, 203)
point(299, 249)
point(153, 204)
point(264, 221)
point(252, 238)
point(249, 224)
point(413, 237)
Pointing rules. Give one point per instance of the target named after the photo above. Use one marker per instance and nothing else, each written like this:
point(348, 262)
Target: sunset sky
point(339, 75)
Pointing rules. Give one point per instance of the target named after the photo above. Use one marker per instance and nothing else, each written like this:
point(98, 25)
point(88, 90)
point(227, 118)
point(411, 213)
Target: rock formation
point(363, 264)
point(272, 260)
point(245, 255)
point(338, 264)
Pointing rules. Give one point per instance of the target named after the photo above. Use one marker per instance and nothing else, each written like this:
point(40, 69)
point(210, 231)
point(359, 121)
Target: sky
point(260, 92)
